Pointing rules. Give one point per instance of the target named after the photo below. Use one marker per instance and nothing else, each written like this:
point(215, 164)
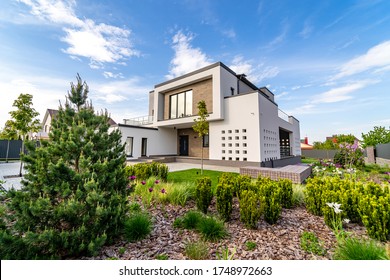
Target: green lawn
point(309, 160)
point(191, 175)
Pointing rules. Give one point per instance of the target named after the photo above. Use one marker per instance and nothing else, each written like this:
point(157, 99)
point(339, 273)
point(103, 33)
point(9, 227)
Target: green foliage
point(311, 244)
point(251, 208)
point(345, 138)
point(162, 257)
point(224, 194)
point(374, 208)
point(298, 195)
point(143, 171)
point(250, 245)
point(137, 226)
point(134, 207)
point(180, 193)
point(327, 145)
point(349, 155)
point(351, 248)
point(74, 196)
point(286, 188)
point(243, 182)
point(9, 132)
point(203, 194)
point(313, 195)
point(211, 229)
point(121, 250)
point(369, 203)
point(379, 135)
point(190, 220)
point(201, 125)
point(271, 194)
point(197, 250)
point(225, 254)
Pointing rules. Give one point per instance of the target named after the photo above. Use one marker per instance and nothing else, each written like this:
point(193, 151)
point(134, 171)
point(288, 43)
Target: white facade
point(245, 122)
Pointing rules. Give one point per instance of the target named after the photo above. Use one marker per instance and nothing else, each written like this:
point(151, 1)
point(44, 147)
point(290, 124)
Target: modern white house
point(245, 124)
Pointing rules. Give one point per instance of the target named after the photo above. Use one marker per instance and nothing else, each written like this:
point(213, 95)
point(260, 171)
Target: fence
point(320, 154)
point(13, 146)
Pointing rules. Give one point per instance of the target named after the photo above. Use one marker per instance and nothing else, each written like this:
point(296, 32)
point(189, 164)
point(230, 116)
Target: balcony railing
point(139, 121)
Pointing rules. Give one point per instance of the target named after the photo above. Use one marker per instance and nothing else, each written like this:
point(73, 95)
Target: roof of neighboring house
point(53, 113)
point(306, 146)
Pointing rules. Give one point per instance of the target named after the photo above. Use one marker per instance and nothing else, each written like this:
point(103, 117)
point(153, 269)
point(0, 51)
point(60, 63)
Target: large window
point(205, 140)
point(129, 146)
point(180, 105)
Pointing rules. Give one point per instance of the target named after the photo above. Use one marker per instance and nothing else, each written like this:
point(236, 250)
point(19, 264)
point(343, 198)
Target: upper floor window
point(180, 105)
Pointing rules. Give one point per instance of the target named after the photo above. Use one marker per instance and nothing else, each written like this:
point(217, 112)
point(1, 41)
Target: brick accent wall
point(297, 174)
point(202, 90)
point(194, 143)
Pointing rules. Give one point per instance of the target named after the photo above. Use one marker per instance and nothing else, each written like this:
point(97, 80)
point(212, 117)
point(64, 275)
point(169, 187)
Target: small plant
point(121, 250)
point(250, 245)
point(352, 248)
point(286, 188)
point(162, 257)
point(250, 208)
point(271, 195)
point(225, 199)
point(135, 207)
point(189, 221)
point(137, 226)
point(225, 254)
point(310, 244)
point(203, 194)
point(112, 259)
point(298, 195)
point(196, 250)
point(211, 229)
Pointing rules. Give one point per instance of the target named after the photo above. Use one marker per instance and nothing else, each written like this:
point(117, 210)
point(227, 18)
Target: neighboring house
point(305, 144)
point(245, 123)
point(46, 124)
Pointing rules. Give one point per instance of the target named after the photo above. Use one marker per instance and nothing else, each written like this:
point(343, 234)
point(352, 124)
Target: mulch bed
point(280, 241)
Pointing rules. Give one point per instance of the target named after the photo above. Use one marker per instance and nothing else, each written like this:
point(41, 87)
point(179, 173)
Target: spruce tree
point(74, 195)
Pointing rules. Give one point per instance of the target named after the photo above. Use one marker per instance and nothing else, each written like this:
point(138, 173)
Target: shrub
point(211, 229)
point(271, 197)
point(375, 213)
point(142, 171)
point(310, 244)
point(197, 250)
point(286, 188)
point(244, 183)
point(162, 257)
point(313, 195)
point(352, 248)
point(137, 227)
point(74, 195)
point(203, 193)
point(225, 254)
point(250, 208)
point(135, 207)
point(190, 220)
point(224, 196)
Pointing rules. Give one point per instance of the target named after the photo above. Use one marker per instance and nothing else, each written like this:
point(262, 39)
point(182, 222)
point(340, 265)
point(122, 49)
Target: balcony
point(139, 121)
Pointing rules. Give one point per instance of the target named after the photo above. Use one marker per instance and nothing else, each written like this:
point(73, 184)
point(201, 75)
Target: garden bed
point(280, 241)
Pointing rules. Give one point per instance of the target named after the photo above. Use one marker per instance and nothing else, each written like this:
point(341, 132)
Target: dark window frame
point(177, 104)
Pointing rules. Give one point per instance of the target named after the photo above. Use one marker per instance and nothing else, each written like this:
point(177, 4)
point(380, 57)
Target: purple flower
point(163, 191)
point(143, 182)
point(129, 186)
point(150, 189)
point(132, 177)
point(157, 181)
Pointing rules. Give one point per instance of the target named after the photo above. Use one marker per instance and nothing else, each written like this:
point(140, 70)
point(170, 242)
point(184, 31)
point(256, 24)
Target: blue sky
point(327, 62)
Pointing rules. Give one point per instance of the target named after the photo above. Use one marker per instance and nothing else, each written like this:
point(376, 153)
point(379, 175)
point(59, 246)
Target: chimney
point(306, 141)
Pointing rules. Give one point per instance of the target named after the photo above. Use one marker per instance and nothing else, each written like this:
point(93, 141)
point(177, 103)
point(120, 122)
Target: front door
point(144, 145)
point(183, 145)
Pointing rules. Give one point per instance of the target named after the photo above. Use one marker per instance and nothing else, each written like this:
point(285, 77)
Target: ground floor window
point(129, 146)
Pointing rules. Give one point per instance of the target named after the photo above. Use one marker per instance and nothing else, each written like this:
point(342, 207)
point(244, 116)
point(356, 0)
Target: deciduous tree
point(201, 126)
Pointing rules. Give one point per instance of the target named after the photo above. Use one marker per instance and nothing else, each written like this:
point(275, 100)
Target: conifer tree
point(74, 195)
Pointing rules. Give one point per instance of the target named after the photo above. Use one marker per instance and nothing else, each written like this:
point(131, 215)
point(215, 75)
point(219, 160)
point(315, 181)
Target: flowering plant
point(350, 155)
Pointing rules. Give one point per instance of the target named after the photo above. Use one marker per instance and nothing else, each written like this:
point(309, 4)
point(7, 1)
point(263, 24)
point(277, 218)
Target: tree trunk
point(21, 162)
point(6, 157)
point(201, 170)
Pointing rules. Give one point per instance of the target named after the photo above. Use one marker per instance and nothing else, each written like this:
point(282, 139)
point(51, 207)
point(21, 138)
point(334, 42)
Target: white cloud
point(378, 57)
point(255, 72)
point(108, 74)
point(306, 31)
point(101, 43)
point(187, 58)
point(230, 33)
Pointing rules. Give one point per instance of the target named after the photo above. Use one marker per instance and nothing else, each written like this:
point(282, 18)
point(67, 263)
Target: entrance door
point(183, 145)
point(144, 145)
